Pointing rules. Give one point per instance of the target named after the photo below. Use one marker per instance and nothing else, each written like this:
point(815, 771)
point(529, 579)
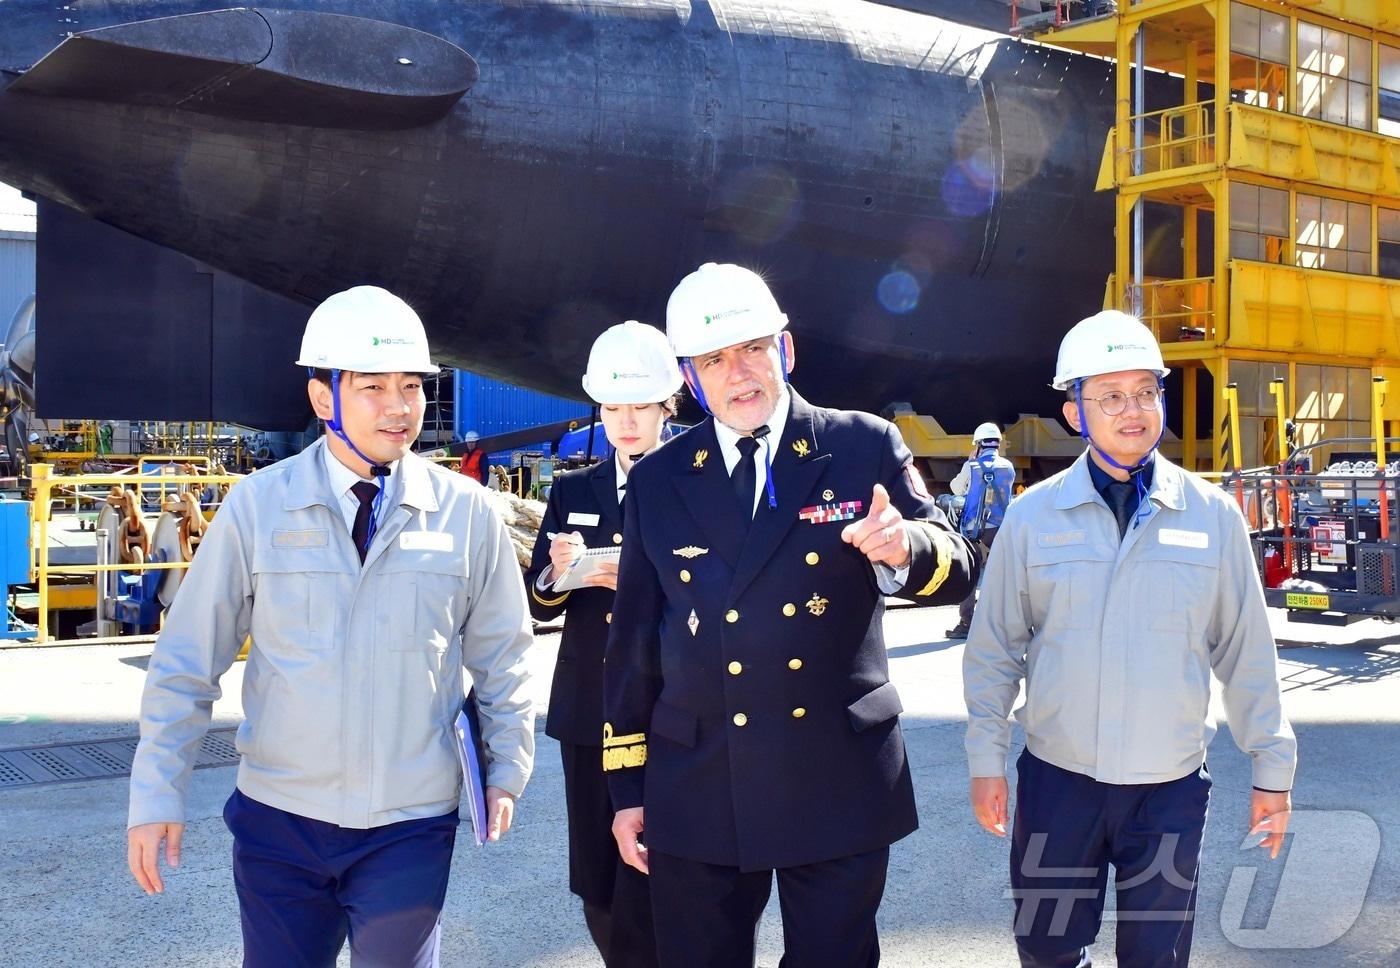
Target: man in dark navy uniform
point(752, 726)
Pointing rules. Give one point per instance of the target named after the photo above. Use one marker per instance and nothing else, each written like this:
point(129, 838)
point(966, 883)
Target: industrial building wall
point(16, 272)
point(491, 407)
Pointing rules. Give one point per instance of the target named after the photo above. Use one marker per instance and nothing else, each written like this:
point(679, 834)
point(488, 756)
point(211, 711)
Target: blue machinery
point(14, 562)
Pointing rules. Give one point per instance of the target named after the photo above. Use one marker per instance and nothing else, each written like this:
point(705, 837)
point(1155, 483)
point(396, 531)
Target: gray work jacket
point(1115, 640)
point(354, 676)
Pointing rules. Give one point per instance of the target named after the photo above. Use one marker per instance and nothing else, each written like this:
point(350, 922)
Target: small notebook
point(585, 565)
point(472, 757)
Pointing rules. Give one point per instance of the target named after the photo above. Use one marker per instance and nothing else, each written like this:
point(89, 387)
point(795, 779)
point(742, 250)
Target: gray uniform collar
point(309, 485)
point(1167, 489)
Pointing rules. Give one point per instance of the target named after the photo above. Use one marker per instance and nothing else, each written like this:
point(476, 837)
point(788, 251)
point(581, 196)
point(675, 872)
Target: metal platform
point(74, 762)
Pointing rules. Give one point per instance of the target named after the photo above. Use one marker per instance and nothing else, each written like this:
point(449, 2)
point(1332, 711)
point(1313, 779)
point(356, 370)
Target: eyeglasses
point(1114, 402)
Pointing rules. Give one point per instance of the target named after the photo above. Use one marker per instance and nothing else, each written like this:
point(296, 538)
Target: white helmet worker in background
point(472, 463)
point(632, 376)
point(1111, 368)
point(366, 353)
point(987, 433)
point(985, 483)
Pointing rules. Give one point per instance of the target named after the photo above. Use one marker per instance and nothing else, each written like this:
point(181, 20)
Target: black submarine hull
point(918, 193)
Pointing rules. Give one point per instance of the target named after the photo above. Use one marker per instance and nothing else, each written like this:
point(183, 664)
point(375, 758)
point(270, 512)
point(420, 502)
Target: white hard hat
point(470, 437)
point(631, 363)
point(1107, 342)
point(367, 330)
point(719, 305)
point(986, 431)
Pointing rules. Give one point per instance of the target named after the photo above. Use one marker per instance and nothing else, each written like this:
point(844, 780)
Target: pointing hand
point(881, 535)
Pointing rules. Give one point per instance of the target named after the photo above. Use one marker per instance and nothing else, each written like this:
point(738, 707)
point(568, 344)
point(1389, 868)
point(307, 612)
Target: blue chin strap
point(692, 380)
point(376, 469)
point(1135, 470)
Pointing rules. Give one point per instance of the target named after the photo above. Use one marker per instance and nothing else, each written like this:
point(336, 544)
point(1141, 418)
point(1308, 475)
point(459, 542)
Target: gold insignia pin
point(828, 494)
point(690, 551)
point(816, 604)
point(801, 446)
point(700, 457)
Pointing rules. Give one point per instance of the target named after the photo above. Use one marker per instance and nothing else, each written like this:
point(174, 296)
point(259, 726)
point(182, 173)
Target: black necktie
point(745, 478)
point(1122, 498)
point(366, 491)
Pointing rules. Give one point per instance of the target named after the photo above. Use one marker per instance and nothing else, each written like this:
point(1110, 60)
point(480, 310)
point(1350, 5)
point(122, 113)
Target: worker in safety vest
point(473, 462)
point(985, 483)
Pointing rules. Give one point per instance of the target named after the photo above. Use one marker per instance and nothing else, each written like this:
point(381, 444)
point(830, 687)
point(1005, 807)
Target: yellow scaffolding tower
point(1256, 159)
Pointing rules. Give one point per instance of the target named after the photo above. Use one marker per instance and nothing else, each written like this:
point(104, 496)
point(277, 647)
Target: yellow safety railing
point(1177, 137)
point(45, 485)
point(1177, 310)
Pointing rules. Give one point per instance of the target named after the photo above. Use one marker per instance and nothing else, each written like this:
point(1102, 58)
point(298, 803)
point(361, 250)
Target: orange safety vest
point(470, 464)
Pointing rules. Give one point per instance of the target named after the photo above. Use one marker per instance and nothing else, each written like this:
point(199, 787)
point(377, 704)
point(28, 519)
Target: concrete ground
point(1333, 899)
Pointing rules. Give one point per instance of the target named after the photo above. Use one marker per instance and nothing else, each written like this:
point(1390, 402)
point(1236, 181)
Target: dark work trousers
point(304, 885)
point(707, 915)
point(1067, 830)
point(983, 544)
point(616, 897)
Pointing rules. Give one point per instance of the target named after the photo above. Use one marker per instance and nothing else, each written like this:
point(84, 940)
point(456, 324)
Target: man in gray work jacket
point(368, 579)
point(1113, 591)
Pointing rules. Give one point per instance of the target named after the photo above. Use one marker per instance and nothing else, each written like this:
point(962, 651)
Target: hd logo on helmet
point(630, 376)
point(390, 341)
point(715, 317)
point(1120, 347)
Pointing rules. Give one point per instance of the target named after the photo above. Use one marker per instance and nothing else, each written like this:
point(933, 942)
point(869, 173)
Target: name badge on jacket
point(1184, 539)
point(587, 520)
point(425, 541)
point(300, 539)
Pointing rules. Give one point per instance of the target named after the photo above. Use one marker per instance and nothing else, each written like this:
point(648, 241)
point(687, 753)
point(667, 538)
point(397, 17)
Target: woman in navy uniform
point(633, 376)
point(752, 726)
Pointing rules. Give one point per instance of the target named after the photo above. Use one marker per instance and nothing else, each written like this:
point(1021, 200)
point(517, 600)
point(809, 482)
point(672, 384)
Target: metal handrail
point(1175, 137)
point(1177, 310)
point(45, 484)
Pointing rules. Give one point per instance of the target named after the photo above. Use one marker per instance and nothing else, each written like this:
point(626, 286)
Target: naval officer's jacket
point(585, 501)
point(747, 690)
point(355, 673)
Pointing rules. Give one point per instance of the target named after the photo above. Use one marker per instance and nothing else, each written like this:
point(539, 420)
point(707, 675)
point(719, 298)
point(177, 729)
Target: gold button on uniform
point(617, 538)
point(813, 558)
point(735, 668)
point(798, 713)
point(608, 618)
point(740, 719)
point(685, 575)
point(732, 615)
point(794, 664)
point(789, 610)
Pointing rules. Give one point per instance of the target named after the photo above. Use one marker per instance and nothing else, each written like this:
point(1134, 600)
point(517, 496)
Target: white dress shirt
point(343, 479)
